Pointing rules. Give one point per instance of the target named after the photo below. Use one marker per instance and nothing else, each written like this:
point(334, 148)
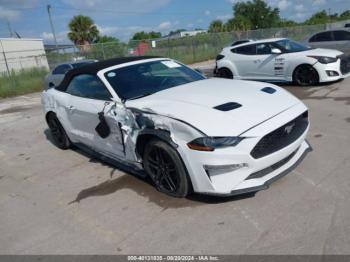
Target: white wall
point(17, 54)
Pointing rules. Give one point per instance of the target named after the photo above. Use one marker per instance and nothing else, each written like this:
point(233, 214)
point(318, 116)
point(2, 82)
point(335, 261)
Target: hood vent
point(228, 106)
point(269, 90)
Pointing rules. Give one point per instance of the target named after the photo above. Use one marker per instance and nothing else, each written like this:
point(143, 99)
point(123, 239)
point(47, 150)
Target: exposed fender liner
point(122, 134)
point(160, 133)
point(136, 110)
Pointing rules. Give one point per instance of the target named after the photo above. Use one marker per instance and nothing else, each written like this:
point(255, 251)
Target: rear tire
point(225, 73)
point(166, 169)
point(305, 75)
point(58, 133)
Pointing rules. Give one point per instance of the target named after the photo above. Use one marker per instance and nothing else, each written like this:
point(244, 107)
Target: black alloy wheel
point(305, 75)
point(57, 131)
point(165, 168)
point(225, 73)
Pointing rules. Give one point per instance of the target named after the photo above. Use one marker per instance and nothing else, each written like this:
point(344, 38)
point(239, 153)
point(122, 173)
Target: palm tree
point(83, 31)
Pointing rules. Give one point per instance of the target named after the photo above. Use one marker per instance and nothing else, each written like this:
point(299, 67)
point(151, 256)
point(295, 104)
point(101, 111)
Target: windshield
point(292, 46)
point(144, 79)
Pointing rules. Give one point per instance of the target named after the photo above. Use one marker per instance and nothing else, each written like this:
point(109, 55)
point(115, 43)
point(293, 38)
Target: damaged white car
point(188, 133)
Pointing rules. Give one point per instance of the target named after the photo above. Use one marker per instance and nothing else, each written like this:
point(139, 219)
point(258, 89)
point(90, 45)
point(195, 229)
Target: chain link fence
point(189, 49)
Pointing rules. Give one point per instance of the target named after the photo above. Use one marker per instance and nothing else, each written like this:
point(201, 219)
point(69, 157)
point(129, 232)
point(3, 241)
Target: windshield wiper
point(140, 96)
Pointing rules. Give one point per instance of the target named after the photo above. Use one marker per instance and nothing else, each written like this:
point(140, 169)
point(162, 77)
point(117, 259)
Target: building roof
point(94, 68)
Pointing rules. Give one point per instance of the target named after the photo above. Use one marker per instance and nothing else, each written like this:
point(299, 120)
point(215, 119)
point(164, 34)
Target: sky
point(122, 18)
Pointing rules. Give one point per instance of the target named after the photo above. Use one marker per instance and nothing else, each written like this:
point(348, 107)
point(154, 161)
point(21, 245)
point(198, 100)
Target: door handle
point(70, 108)
point(257, 61)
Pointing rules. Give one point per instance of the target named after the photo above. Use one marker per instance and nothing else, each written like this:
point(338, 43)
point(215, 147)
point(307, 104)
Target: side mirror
point(276, 51)
point(51, 85)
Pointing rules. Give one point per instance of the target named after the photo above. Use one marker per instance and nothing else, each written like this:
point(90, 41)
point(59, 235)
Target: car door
point(342, 40)
point(244, 58)
point(322, 40)
point(268, 66)
point(88, 97)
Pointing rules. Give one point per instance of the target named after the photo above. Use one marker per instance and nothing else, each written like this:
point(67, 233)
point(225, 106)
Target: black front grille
point(268, 170)
point(281, 137)
point(345, 64)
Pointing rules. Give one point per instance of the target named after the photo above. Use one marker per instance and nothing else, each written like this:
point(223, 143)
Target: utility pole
point(52, 28)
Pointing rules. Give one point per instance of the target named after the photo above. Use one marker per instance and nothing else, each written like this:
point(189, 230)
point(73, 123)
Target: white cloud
point(318, 2)
point(141, 6)
point(207, 12)
point(224, 16)
point(60, 36)
point(283, 4)
point(9, 14)
point(164, 25)
point(299, 7)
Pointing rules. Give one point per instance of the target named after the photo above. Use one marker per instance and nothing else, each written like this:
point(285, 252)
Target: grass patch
point(22, 82)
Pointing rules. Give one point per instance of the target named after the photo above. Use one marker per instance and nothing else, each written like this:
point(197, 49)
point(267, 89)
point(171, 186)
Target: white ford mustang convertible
point(187, 133)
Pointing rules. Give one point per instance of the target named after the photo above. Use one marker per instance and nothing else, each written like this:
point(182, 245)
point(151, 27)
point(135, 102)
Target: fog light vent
point(213, 170)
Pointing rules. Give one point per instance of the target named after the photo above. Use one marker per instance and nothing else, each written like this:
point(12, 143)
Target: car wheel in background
point(164, 166)
point(57, 131)
point(225, 73)
point(305, 75)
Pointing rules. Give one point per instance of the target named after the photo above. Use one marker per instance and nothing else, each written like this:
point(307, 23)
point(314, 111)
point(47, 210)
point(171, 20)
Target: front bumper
point(340, 67)
point(253, 174)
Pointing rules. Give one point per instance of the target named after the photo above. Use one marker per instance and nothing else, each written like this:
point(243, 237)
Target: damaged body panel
point(158, 115)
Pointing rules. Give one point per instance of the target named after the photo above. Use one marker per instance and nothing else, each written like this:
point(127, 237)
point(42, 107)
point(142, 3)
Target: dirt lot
point(66, 202)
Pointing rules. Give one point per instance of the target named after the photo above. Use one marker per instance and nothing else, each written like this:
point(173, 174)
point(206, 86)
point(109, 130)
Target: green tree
point(345, 15)
point(318, 18)
point(238, 23)
point(83, 30)
point(106, 39)
point(146, 35)
point(258, 13)
point(216, 26)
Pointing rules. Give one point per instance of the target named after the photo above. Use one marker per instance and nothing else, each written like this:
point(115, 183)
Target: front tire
point(305, 75)
point(225, 73)
point(164, 166)
point(58, 133)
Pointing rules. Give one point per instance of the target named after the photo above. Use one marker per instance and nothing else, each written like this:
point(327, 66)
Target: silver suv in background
point(55, 77)
point(338, 39)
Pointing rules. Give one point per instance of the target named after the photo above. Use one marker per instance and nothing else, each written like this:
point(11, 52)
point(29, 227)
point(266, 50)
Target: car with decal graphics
point(159, 118)
point(282, 60)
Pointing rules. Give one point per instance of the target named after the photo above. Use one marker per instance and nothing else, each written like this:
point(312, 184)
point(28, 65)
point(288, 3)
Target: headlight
point(211, 143)
point(325, 59)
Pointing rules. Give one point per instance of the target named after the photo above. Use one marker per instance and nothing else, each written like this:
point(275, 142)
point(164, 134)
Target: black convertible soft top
point(93, 68)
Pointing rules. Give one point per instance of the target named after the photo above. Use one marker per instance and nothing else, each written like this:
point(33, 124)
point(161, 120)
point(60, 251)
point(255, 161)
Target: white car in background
point(280, 60)
point(215, 136)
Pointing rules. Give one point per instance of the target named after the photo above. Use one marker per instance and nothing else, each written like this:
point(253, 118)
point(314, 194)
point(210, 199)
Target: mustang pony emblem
point(288, 129)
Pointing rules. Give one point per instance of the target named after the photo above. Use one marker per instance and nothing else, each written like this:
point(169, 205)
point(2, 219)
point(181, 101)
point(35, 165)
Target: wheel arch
point(226, 63)
point(49, 113)
point(164, 135)
point(303, 64)
point(148, 134)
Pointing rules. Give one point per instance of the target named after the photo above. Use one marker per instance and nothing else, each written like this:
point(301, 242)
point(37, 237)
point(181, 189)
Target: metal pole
point(52, 28)
point(9, 27)
point(5, 60)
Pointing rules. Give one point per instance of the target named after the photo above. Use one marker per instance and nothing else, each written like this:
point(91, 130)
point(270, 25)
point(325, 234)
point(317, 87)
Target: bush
point(22, 82)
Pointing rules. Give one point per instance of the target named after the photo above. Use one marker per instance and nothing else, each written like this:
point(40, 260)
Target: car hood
point(194, 103)
point(323, 52)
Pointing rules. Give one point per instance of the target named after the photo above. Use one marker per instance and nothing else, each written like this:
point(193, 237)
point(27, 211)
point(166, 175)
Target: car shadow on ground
point(122, 177)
